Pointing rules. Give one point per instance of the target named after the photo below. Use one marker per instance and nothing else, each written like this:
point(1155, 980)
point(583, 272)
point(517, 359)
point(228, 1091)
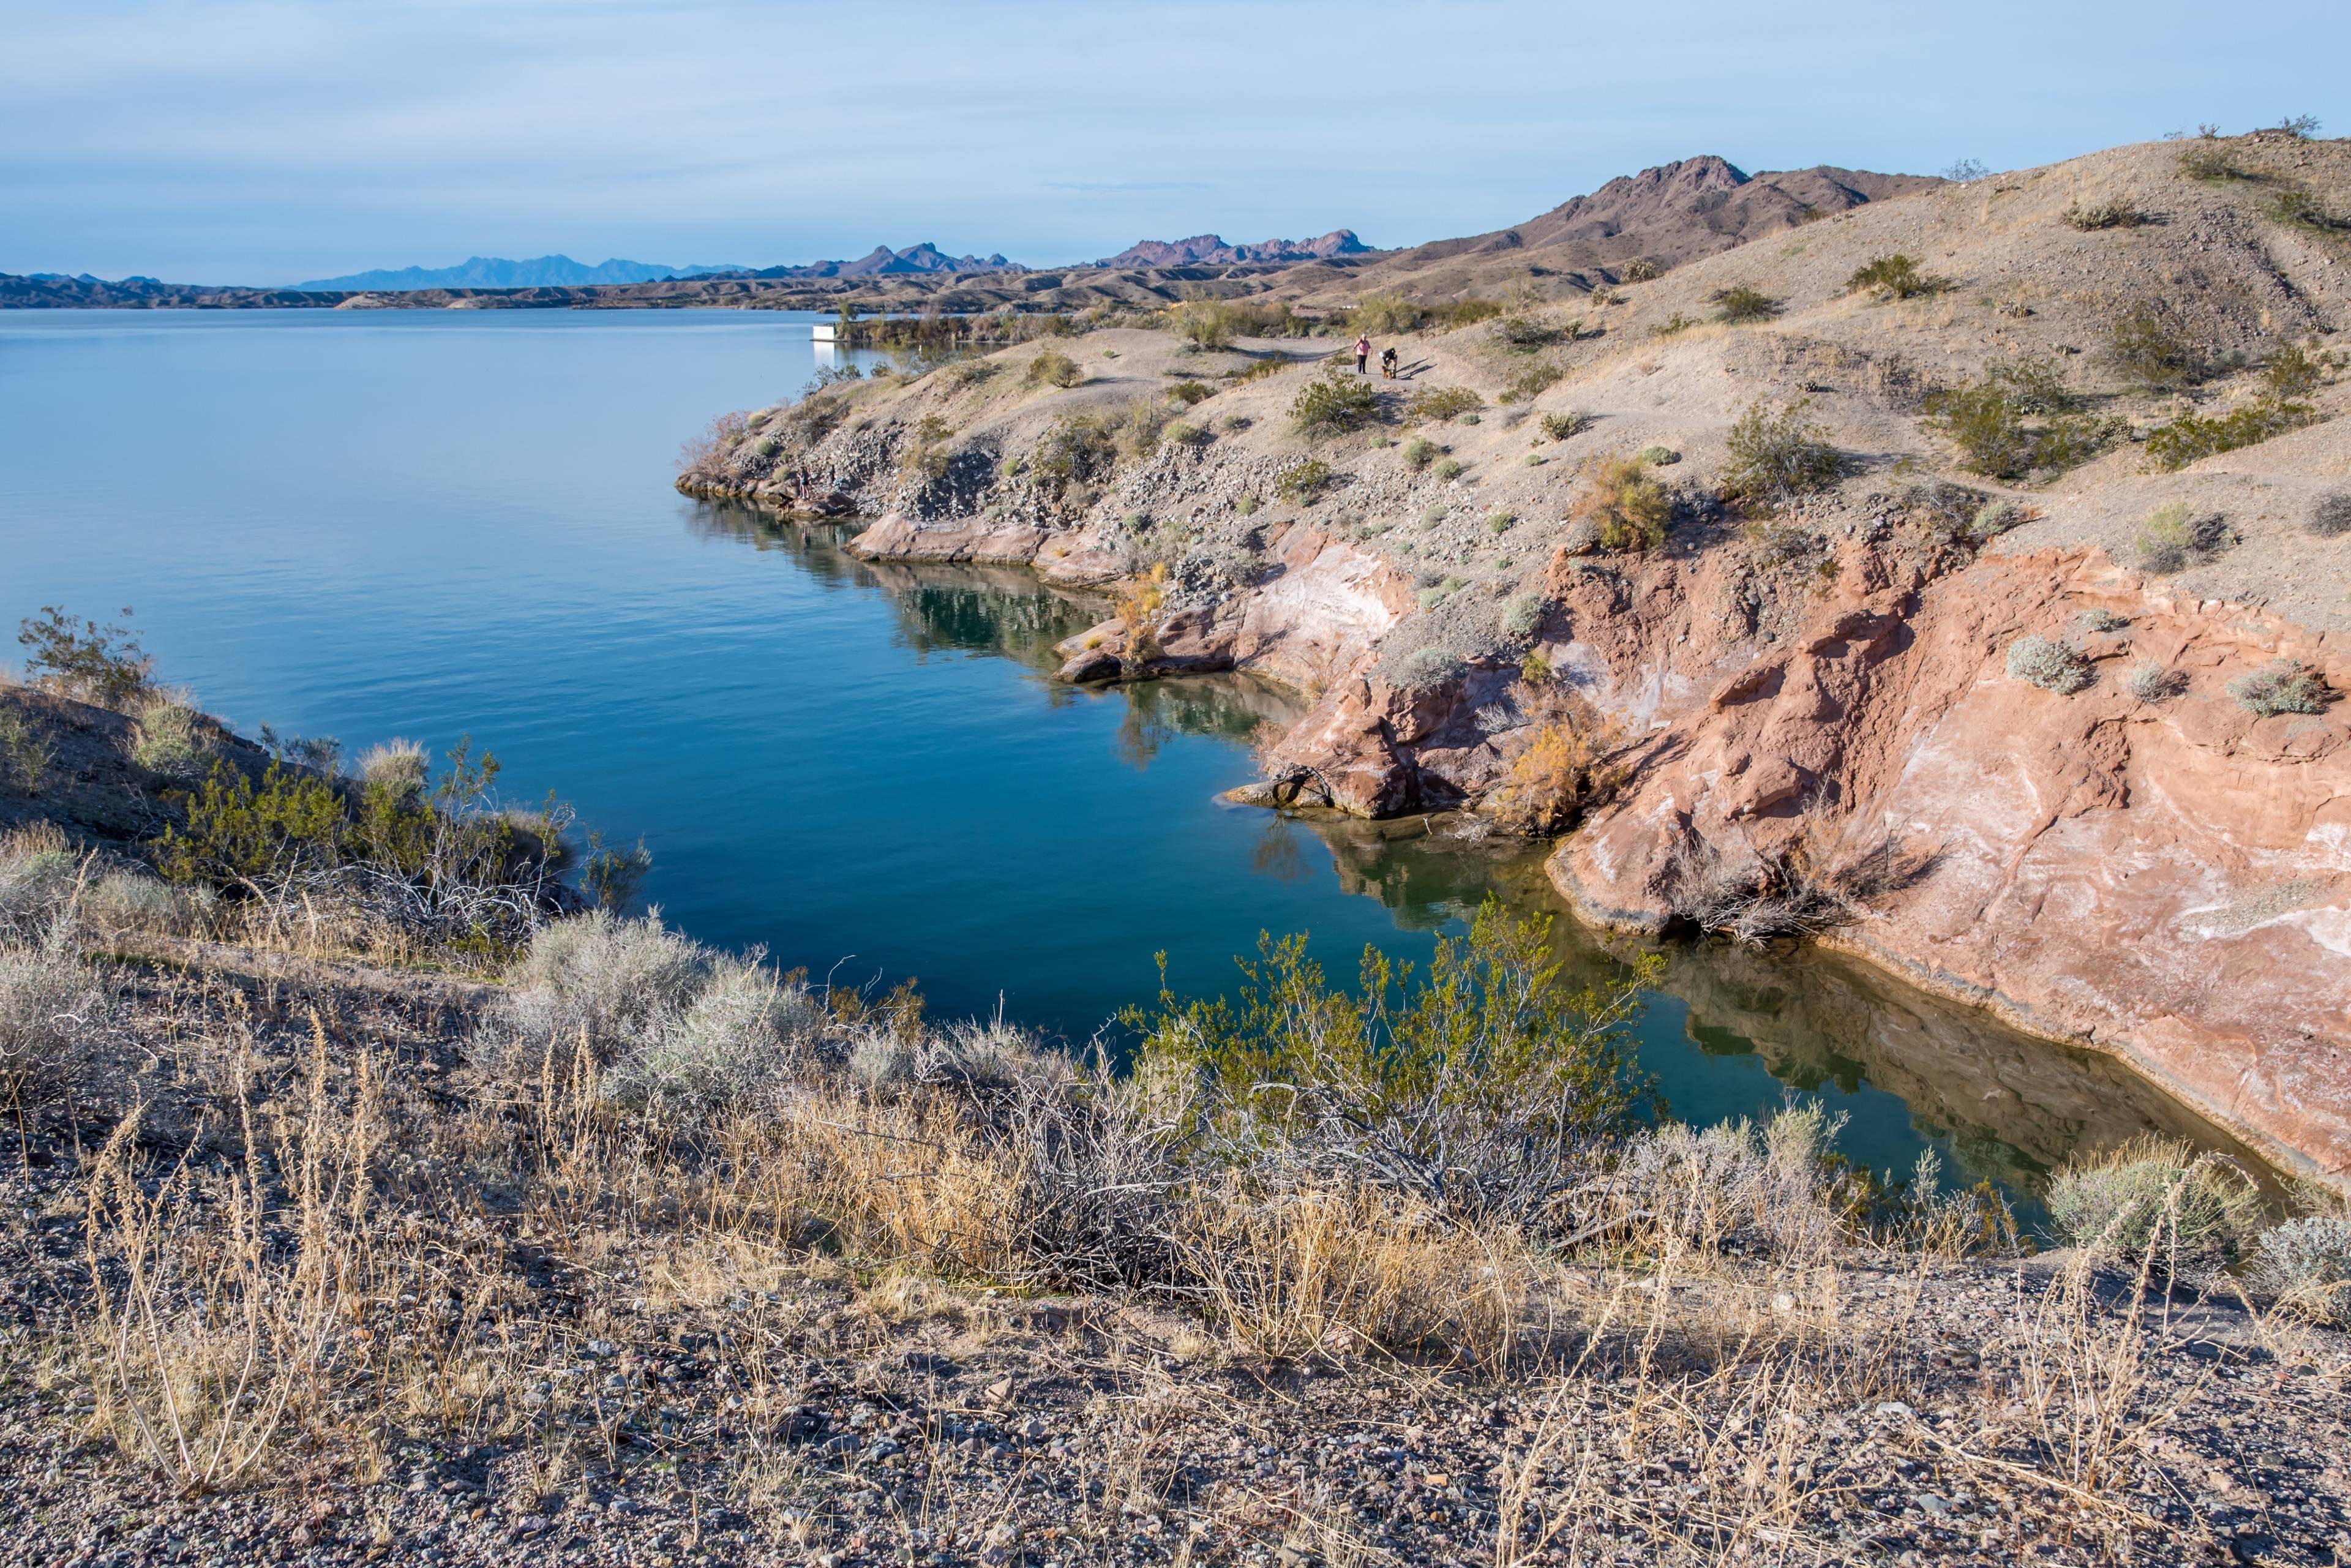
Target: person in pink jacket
point(1363, 351)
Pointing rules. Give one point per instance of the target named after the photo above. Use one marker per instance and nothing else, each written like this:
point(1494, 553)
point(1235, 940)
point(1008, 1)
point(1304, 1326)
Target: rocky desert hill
point(1960, 578)
point(1657, 219)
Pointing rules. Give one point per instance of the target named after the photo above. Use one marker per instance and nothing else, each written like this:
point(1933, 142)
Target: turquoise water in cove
point(434, 524)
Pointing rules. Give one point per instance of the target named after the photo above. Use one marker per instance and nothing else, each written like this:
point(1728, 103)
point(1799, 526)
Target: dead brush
point(1567, 768)
point(221, 1296)
point(1299, 1273)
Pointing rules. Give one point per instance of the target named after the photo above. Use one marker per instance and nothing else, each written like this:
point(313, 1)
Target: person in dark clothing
point(1388, 361)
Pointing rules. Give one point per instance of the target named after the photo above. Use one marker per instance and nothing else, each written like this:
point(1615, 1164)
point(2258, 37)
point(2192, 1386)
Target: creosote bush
point(1436, 404)
point(2050, 665)
point(99, 665)
point(1420, 452)
point(2285, 686)
point(1775, 457)
point(2147, 344)
point(1334, 403)
point(1740, 303)
point(1624, 499)
point(1383, 314)
point(2114, 213)
point(1300, 482)
point(2017, 420)
point(1894, 276)
point(1053, 368)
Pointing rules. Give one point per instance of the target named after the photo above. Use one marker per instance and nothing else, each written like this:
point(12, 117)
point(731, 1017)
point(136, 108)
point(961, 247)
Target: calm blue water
point(432, 524)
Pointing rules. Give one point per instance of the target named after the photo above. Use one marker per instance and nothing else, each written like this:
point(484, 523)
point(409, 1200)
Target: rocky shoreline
point(1806, 716)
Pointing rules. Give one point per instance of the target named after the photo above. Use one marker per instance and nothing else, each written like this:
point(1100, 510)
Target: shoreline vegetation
point(480, 1221)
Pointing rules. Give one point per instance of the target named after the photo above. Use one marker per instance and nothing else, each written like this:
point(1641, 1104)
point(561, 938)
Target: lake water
point(439, 523)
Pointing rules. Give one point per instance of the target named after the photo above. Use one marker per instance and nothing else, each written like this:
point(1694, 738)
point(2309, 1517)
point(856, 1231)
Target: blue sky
point(269, 140)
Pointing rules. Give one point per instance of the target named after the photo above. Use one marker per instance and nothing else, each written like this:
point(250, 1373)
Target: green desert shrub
point(1530, 381)
point(1300, 482)
point(2301, 209)
point(2101, 620)
point(2285, 686)
point(2050, 665)
point(2208, 161)
point(1077, 447)
point(1739, 304)
point(1522, 613)
point(1204, 324)
point(1640, 269)
point(1420, 452)
point(170, 741)
point(1524, 334)
point(2184, 440)
point(1383, 314)
point(1994, 518)
point(1464, 313)
point(2016, 419)
point(26, 753)
point(1447, 468)
point(1436, 404)
point(1183, 432)
point(1775, 457)
point(1190, 394)
point(1334, 403)
point(2114, 213)
point(2305, 1266)
point(1563, 424)
point(1660, 457)
point(1053, 368)
point(1623, 500)
point(100, 664)
point(1672, 326)
point(1894, 276)
point(2156, 1204)
point(2147, 343)
point(1500, 522)
point(2174, 537)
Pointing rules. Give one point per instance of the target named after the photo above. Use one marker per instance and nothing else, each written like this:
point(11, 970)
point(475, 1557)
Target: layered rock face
point(2168, 877)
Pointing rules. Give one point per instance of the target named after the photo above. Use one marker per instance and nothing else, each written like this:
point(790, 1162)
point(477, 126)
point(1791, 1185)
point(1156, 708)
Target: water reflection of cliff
point(2011, 1106)
point(942, 607)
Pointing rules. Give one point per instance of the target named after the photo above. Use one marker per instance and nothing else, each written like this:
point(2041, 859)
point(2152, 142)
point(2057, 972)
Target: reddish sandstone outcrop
point(2168, 879)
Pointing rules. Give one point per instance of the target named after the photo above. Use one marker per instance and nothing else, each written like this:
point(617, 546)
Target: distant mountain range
point(562, 272)
point(884, 262)
point(497, 272)
point(1210, 250)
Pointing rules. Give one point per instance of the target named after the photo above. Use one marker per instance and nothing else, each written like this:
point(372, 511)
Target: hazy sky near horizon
point(273, 140)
